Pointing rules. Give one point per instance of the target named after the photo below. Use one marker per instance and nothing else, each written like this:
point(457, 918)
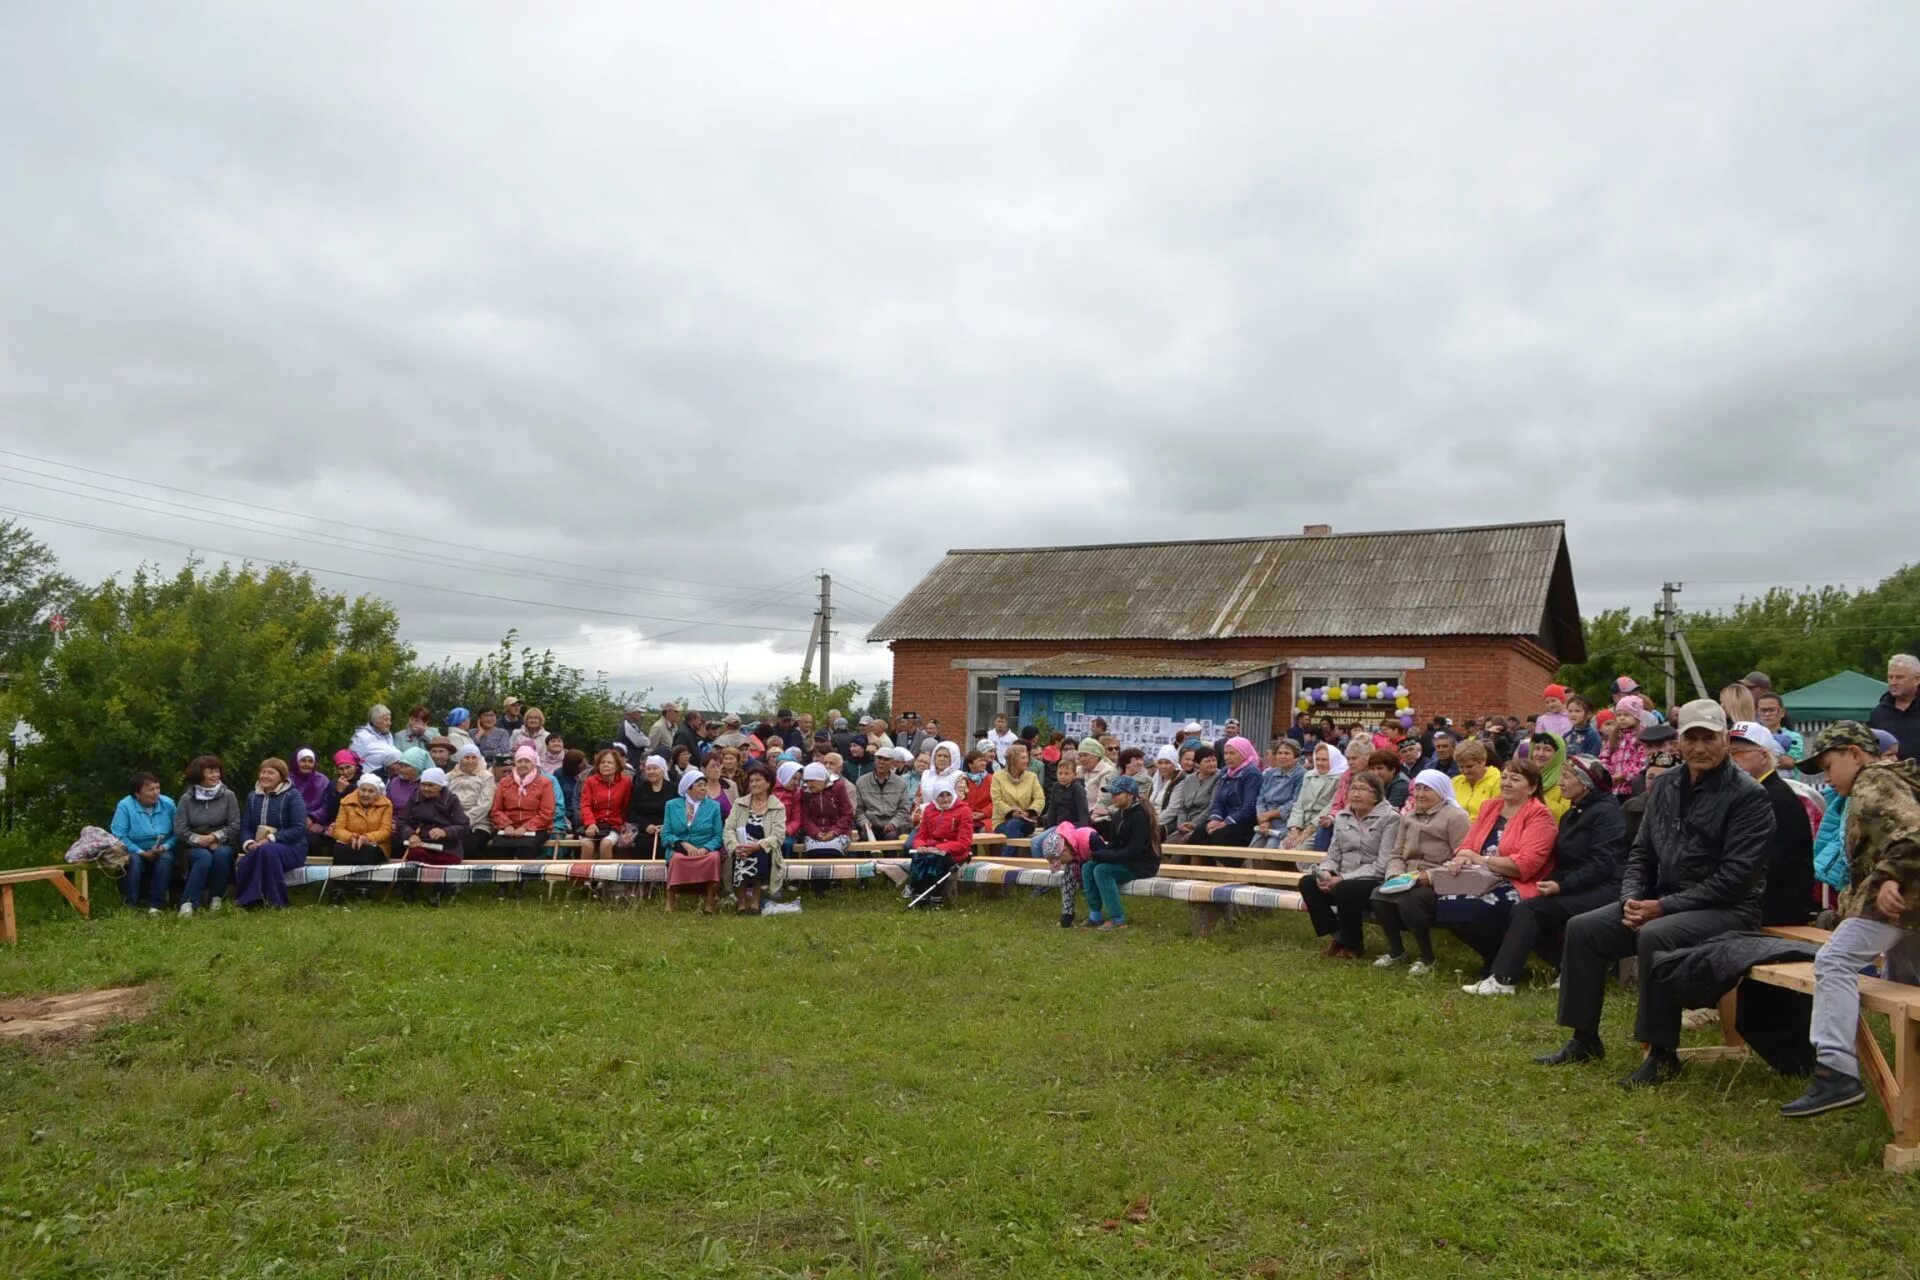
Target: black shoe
point(1655, 1069)
point(1827, 1091)
point(1066, 919)
point(1577, 1049)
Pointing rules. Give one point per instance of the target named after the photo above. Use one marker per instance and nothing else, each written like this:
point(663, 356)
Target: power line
point(883, 601)
point(332, 541)
point(392, 582)
point(384, 533)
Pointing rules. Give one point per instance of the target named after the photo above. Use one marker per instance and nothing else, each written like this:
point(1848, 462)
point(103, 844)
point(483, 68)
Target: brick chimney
point(1316, 530)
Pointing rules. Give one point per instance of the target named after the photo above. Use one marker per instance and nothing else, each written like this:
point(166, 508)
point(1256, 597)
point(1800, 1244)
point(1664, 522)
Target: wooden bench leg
point(9, 930)
point(1205, 917)
point(1903, 1109)
point(86, 898)
point(70, 893)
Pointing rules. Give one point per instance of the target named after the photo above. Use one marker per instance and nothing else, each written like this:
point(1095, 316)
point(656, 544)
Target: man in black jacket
point(1899, 709)
point(1696, 870)
point(1587, 860)
point(1789, 895)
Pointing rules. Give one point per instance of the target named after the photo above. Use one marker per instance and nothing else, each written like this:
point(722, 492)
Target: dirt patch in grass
point(54, 1019)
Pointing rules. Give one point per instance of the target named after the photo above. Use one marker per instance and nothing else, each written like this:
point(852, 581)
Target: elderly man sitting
point(1695, 871)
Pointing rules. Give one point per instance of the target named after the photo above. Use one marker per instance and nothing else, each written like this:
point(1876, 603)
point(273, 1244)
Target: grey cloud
point(746, 295)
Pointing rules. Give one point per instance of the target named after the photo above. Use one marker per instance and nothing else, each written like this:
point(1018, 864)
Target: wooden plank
point(1187, 852)
point(1876, 994)
point(9, 930)
point(86, 898)
point(27, 875)
point(1232, 875)
point(1799, 932)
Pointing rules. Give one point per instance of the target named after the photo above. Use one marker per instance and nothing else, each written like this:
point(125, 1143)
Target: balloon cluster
point(1335, 694)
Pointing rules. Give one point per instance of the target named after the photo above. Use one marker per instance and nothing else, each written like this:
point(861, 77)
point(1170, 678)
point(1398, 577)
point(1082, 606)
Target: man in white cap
point(882, 800)
point(633, 731)
point(730, 735)
point(1696, 870)
point(1789, 894)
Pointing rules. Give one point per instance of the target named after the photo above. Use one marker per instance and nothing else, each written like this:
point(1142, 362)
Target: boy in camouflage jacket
point(1880, 909)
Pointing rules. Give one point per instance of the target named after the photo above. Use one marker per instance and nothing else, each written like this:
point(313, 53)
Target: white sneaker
point(1387, 962)
point(1556, 985)
point(1488, 987)
point(186, 908)
point(1419, 969)
point(215, 905)
point(153, 911)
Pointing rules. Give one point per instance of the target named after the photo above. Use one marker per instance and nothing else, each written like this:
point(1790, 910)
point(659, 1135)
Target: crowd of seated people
point(1574, 835)
point(721, 798)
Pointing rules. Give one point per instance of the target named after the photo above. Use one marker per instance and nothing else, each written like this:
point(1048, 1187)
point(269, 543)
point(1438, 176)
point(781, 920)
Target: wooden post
point(1903, 1153)
point(9, 931)
point(1205, 917)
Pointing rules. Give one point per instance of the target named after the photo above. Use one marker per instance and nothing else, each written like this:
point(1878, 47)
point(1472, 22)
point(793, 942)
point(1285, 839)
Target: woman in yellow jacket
point(364, 826)
point(1477, 781)
point(1018, 797)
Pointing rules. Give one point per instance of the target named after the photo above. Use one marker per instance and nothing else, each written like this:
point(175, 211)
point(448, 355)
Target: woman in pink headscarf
point(1236, 801)
point(1623, 753)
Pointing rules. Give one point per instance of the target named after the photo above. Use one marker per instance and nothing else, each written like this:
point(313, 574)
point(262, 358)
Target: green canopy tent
point(1846, 696)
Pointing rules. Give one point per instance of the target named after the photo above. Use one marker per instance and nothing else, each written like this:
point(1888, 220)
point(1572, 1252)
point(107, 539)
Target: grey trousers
point(1599, 937)
point(1836, 983)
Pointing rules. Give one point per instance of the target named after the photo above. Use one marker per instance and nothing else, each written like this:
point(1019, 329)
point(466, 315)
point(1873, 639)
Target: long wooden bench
point(1898, 1085)
point(75, 893)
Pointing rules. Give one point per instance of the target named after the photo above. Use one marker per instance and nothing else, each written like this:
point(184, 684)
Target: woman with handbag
point(1505, 857)
point(1340, 891)
point(1430, 831)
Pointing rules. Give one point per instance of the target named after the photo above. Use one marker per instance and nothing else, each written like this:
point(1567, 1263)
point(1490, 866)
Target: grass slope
point(538, 1089)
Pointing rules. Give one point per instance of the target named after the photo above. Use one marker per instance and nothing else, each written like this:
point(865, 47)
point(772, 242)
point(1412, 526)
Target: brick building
point(1470, 620)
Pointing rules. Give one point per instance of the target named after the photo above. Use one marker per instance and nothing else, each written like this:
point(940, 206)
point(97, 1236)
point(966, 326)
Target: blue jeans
point(1016, 828)
point(208, 871)
point(154, 877)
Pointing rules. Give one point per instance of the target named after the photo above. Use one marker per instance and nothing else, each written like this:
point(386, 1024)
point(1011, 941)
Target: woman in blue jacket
point(273, 838)
point(1236, 800)
point(143, 824)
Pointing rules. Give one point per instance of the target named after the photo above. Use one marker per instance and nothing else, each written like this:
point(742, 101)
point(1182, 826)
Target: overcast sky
point(651, 312)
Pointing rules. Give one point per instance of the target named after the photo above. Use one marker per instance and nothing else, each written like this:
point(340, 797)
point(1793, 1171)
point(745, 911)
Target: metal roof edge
point(1264, 537)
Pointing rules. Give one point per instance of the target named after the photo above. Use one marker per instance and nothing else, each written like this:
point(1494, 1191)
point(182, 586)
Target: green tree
point(32, 589)
point(880, 705)
point(241, 662)
point(579, 706)
point(807, 698)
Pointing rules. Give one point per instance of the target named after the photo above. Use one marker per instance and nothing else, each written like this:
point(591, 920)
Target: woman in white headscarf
point(693, 837)
point(1432, 827)
point(946, 768)
point(1316, 799)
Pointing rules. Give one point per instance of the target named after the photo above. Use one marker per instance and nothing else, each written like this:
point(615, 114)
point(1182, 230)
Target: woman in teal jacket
point(692, 839)
point(143, 824)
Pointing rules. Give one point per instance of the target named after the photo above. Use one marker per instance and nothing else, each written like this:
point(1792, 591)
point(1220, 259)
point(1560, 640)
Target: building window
point(988, 701)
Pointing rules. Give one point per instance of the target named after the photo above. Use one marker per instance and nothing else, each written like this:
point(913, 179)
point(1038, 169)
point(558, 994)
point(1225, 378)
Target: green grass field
point(538, 1089)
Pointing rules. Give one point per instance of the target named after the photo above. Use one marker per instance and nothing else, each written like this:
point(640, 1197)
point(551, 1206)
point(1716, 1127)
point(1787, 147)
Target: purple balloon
point(1406, 719)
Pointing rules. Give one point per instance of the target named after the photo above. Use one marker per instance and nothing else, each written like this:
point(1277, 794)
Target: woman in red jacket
point(943, 842)
point(826, 812)
point(1510, 850)
point(979, 796)
point(603, 802)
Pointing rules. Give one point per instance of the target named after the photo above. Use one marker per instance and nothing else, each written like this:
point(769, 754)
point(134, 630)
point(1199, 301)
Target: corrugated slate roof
point(1122, 667)
point(1494, 580)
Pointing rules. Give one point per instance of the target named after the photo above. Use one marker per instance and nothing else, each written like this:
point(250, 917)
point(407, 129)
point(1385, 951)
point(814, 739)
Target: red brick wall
point(1463, 677)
